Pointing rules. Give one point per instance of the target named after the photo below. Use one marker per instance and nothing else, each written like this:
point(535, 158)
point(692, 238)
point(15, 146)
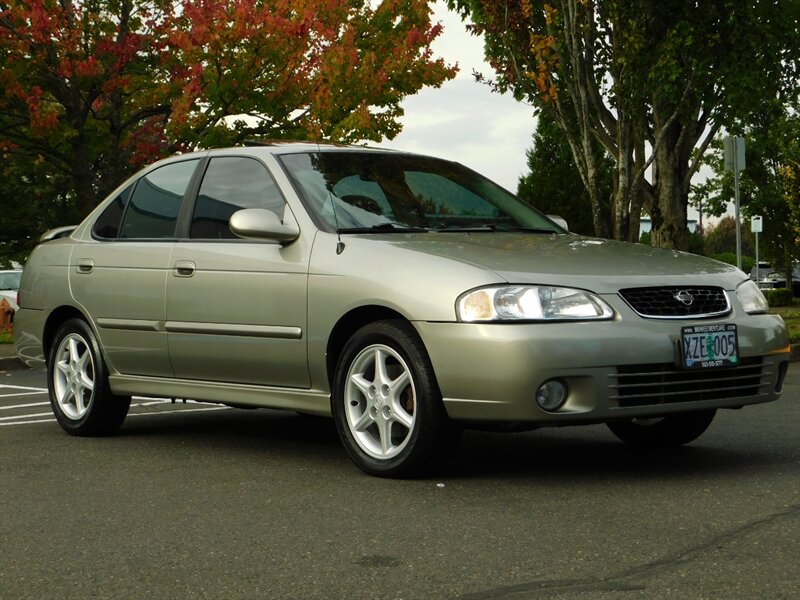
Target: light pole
point(756, 228)
point(734, 160)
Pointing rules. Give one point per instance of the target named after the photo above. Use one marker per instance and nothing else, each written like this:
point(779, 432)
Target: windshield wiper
point(493, 227)
point(388, 227)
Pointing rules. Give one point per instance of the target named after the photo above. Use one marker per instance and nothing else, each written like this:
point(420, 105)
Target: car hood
point(601, 265)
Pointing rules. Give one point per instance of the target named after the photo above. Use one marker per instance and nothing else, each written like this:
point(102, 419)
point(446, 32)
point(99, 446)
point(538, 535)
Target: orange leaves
point(550, 14)
point(150, 76)
point(543, 48)
point(323, 67)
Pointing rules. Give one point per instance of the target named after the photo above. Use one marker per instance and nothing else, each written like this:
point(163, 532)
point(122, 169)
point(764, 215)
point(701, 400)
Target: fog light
point(551, 395)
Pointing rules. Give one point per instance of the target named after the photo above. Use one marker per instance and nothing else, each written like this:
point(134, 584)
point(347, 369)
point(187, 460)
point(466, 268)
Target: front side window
point(153, 208)
point(232, 183)
point(358, 191)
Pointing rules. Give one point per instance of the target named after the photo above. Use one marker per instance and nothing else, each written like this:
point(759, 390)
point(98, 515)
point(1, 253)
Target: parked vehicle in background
point(406, 296)
point(768, 278)
point(9, 284)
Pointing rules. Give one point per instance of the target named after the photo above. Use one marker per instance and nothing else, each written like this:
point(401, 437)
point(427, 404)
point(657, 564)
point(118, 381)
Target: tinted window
point(107, 225)
point(153, 208)
point(231, 184)
point(359, 191)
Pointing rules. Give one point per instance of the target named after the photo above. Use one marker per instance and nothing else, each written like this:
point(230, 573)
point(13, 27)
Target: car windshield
point(360, 192)
point(10, 280)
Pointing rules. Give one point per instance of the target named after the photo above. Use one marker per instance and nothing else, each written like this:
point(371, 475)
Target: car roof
point(277, 147)
point(270, 147)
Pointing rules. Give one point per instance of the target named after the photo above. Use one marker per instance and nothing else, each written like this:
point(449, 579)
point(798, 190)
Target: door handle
point(184, 268)
point(85, 265)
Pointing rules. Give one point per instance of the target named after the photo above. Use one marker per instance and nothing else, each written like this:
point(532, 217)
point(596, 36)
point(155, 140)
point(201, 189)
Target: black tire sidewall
point(429, 410)
point(101, 417)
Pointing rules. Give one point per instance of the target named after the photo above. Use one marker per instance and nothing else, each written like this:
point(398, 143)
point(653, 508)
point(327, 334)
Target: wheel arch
point(347, 325)
point(55, 320)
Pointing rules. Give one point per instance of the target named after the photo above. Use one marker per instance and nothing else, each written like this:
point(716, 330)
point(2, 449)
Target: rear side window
point(107, 225)
point(153, 208)
point(232, 183)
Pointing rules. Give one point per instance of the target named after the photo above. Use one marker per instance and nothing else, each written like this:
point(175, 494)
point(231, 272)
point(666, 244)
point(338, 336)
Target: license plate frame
point(710, 346)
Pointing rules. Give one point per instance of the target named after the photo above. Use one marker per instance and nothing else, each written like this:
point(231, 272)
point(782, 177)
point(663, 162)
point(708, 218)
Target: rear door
point(236, 309)
point(119, 277)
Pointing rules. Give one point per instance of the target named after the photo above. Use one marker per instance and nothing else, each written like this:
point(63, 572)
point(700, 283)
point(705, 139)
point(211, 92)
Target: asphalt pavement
point(198, 501)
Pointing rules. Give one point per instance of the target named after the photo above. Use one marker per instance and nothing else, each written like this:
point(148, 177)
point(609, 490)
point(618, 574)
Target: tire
point(671, 430)
point(387, 405)
point(77, 380)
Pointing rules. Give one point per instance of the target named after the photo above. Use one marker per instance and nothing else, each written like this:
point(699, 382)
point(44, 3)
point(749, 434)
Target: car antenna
point(339, 242)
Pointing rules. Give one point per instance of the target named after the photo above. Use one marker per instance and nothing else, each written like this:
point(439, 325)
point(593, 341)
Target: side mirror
point(262, 224)
point(559, 221)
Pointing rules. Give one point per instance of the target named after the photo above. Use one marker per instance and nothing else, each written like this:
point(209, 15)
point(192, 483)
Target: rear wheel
point(671, 430)
point(387, 405)
point(80, 396)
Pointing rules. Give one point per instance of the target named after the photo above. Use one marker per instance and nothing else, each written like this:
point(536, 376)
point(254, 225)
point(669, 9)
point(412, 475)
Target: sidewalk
point(8, 358)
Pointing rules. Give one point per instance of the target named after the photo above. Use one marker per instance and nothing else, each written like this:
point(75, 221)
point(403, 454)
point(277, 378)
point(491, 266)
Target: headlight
point(531, 303)
point(752, 299)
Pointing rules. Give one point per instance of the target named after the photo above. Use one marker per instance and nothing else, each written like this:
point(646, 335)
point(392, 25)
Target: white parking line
point(47, 414)
point(22, 394)
point(24, 405)
point(52, 420)
point(21, 387)
point(47, 417)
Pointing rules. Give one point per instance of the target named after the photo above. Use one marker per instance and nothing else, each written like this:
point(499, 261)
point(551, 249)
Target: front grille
point(654, 384)
point(676, 302)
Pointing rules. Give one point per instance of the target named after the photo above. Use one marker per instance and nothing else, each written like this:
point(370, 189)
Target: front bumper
point(625, 368)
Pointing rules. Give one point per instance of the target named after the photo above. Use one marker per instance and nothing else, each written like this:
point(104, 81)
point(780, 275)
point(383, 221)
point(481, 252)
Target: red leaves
point(140, 78)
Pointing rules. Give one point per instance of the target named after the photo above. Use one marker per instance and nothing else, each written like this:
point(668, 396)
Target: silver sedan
point(407, 297)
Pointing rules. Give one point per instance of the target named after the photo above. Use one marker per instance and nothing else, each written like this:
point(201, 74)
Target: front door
point(236, 309)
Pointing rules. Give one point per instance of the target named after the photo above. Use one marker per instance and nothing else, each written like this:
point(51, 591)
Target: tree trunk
point(672, 154)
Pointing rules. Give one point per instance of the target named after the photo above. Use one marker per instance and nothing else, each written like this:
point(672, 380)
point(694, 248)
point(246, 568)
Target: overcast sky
point(464, 120)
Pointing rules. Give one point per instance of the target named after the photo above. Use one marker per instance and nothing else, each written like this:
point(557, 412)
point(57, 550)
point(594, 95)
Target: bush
point(748, 262)
point(779, 297)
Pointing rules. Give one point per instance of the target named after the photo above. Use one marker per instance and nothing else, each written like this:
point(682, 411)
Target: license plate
point(709, 346)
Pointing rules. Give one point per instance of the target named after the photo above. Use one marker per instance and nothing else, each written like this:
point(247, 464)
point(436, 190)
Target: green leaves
point(652, 81)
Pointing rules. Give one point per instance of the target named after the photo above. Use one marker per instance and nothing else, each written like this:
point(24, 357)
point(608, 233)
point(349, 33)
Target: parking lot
point(201, 501)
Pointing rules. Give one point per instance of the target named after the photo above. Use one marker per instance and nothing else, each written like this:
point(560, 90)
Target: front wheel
point(80, 396)
point(387, 405)
point(671, 430)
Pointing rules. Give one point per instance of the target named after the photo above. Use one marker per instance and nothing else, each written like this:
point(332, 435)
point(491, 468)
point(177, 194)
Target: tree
point(554, 184)
point(651, 80)
point(92, 89)
point(721, 238)
point(766, 184)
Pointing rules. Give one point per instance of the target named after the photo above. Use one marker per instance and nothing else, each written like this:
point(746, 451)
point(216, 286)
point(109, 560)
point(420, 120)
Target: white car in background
point(9, 284)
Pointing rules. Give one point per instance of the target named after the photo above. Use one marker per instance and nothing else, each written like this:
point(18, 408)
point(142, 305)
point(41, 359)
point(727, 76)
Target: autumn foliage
point(91, 89)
